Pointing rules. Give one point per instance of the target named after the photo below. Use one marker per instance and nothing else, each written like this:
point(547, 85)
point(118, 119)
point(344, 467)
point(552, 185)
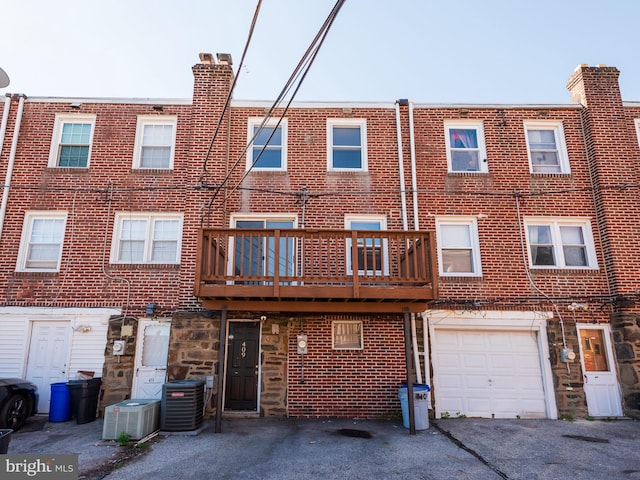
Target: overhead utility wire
point(306, 60)
point(233, 85)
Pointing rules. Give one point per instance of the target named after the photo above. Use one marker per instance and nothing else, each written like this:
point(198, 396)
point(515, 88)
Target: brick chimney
point(211, 86)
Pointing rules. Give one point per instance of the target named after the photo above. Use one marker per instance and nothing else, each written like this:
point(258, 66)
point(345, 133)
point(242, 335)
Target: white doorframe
point(601, 388)
point(153, 378)
point(487, 320)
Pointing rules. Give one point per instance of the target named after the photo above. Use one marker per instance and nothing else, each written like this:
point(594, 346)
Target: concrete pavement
point(271, 448)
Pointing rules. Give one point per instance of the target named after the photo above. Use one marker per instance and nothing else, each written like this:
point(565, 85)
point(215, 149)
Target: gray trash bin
point(420, 405)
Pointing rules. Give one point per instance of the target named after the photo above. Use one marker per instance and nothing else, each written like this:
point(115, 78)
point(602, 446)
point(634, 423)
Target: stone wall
point(626, 338)
point(118, 370)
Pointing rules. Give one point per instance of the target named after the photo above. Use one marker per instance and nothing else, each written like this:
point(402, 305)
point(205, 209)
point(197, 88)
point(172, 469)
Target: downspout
point(414, 179)
point(5, 120)
point(403, 191)
point(12, 159)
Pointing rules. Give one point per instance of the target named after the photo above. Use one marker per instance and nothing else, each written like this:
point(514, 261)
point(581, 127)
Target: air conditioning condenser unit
point(137, 418)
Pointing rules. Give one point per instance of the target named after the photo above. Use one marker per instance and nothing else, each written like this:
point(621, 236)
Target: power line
point(233, 85)
point(301, 70)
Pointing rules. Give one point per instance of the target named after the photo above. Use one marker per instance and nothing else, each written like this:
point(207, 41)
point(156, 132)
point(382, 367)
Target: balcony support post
point(221, 360)
point(407, 351)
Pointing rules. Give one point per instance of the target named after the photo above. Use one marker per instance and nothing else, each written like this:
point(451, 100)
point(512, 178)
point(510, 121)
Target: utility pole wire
point(306, 62)
point(233, 86)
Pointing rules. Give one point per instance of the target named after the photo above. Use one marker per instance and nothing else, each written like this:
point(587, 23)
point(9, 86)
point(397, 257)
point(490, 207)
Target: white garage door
point(490, 374)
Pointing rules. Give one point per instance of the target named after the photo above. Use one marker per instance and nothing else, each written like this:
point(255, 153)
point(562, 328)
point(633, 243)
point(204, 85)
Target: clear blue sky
point(430, 51)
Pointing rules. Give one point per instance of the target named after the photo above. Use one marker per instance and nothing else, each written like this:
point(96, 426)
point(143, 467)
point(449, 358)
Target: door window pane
point(594, 350)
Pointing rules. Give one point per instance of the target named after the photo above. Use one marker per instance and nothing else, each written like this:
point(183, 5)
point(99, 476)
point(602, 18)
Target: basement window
point(347, 335)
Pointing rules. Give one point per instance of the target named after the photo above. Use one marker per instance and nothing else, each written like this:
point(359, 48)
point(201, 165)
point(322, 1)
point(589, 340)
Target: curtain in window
point(347, 335)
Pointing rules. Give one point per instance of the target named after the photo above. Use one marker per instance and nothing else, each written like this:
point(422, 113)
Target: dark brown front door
point(241, 390)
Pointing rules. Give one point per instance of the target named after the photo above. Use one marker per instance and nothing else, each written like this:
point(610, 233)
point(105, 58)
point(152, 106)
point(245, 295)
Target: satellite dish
point(4, 79)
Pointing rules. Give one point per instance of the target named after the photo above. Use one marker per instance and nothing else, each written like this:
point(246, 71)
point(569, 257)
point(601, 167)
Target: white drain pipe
point(12, 159)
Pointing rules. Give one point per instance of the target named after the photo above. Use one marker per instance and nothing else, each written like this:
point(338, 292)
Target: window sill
point(144, 266)
point(152, 171)
point(468, 174)
point(550, 174)
point(28, 274)
point(262, 171)
point(461, 278)
point(67, 170)
point(563, 271)
point(354, 172)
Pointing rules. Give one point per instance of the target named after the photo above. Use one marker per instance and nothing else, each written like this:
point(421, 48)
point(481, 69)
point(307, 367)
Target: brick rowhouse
point(408, 184)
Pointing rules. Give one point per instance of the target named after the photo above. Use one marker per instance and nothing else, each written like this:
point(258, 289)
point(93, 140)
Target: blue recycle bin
point(420, 405)
point(60, 405)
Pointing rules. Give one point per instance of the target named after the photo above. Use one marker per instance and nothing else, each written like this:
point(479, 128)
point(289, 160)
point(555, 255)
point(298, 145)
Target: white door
point(151, 359)
point(47, 361)
point(489, 374)
point(600, 379)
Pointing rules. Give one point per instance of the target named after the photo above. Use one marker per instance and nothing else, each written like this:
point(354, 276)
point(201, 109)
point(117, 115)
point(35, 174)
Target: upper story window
point(546, 147)
point(269, 147)
point(347, 145)
point(560, 243)
point(466, 151)
point(155, 142)
point(372, 255)
point(147, 238)
point(458, 247)
point(637, 122)
point(41, 243)
point(71, 141)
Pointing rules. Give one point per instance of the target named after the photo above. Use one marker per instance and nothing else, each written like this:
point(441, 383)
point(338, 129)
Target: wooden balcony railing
point(315, 270)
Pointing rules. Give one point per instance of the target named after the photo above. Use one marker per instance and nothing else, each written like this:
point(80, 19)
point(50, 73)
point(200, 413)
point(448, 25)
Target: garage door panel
point(474, 361)
point(470, 340)
point(448, 360)
point(498, 374)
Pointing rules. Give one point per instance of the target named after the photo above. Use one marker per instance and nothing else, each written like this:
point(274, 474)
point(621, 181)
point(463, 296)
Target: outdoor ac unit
point(137, 418)
point(182, 406)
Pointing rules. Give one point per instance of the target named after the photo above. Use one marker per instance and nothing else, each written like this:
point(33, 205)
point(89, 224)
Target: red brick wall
point(346, 383)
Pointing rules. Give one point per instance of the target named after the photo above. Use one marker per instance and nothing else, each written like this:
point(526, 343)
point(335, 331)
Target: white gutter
point(414, 180)
point(5, 120)
point(12, 159)
point(403, 191)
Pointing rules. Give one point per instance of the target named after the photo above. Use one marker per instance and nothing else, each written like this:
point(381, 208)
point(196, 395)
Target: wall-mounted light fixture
point(158, 108)
point(151, 309)
point(82, 328)
point(76, 106)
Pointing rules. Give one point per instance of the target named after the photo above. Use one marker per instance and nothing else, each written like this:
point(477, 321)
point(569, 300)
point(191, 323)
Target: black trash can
point(5, 438)
point(84, 399)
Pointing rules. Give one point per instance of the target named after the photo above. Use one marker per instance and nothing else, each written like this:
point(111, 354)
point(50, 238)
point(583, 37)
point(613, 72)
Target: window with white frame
point(372, 254)
point(155, 142)
point(347, 145)
point(71, 141)
point(560, 243)
point(347, 335)
point(268, 149)
point(466, 151)
point(141, 238)
point(637, 122)
point(458, 247)
point(546, 147)
point(42, 240)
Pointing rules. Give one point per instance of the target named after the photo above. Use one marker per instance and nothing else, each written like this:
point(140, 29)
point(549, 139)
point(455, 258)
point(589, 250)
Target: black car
point(18, 401)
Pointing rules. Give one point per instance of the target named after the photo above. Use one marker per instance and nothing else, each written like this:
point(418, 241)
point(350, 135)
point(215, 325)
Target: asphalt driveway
point(353, 449)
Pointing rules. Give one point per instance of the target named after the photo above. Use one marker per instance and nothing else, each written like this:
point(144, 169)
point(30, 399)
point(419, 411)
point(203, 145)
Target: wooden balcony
point(295, 270)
